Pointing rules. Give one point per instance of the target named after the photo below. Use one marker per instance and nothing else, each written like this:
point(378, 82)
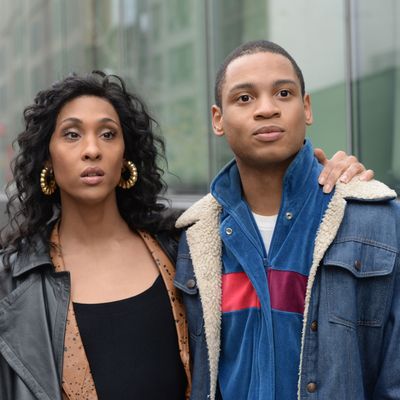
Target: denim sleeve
point(388, 383)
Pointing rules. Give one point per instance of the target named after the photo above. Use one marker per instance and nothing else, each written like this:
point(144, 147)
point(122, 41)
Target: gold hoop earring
point(133, 175)
point(47, 181)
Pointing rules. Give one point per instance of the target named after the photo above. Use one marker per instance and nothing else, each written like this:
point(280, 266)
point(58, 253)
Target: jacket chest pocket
point(186, 282)
point(358, 282)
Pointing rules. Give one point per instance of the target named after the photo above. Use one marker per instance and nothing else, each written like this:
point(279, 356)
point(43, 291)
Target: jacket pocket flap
point(363, 259)
point(184, 277)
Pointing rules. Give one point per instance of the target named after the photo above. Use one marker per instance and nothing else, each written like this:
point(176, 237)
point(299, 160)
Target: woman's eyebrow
point(107, 119)
point(72, 119)
point(80, 122)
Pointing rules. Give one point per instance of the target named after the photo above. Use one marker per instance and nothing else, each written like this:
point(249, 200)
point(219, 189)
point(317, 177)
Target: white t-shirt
point(266, 226)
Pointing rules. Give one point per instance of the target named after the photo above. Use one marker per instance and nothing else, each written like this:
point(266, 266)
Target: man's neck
point(262, 188)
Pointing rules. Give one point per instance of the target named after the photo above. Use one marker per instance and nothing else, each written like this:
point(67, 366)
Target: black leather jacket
point(33, 309)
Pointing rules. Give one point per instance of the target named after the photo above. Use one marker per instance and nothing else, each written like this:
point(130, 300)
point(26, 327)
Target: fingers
point(334, 173)
point(332, 169)
point(340, 167)
point(352, 170)
point(367, 175)
point(321, 156)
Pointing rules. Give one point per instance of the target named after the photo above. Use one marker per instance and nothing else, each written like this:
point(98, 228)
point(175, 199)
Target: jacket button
point(191, 283)
point(289, 215)
point(314, 326)
point(357, 265)
point(312, 387)
point(229, 231)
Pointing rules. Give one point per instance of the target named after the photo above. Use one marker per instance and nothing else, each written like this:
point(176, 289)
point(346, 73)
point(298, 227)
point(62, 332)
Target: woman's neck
point(86, 224)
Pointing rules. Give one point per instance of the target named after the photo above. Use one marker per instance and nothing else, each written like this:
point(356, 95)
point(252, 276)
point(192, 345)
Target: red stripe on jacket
point(287, 291)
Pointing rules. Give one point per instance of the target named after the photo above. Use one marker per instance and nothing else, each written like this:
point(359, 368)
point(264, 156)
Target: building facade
point(169, 50)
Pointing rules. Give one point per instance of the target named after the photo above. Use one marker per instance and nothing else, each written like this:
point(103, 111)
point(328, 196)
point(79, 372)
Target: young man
point(290, 292)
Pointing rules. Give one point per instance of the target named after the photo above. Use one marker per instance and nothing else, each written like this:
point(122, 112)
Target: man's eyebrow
point(250, 86)
point(281, 82)
point(241, 86)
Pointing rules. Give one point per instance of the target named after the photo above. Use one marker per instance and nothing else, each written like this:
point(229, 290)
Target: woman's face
point(86, 150)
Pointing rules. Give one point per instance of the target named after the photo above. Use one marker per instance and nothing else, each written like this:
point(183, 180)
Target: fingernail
point(327, 188)
point(344, 178)
point(321, 180)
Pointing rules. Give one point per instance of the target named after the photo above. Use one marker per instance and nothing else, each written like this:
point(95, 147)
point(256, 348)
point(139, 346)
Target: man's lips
point(269, 133)
point(92, 175)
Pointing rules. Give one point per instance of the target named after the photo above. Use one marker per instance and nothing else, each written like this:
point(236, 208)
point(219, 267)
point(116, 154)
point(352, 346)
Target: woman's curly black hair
point(30, 212)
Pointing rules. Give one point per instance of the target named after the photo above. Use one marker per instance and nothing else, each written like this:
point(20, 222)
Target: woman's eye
point(244, 98)
point(108, 135)
point(71, 135)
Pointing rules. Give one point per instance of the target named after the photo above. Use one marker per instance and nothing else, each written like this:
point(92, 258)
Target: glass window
point(156, 21)
point(167, 65)
point(169, 51)
point(234, 22)
point(314, 33)
point(179, 14)
point(376, 88)
point(180, 69)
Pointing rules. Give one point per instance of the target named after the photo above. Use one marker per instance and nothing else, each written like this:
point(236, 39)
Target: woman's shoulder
point(17, 260)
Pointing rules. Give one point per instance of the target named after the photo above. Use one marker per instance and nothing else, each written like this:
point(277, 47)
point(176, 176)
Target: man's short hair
point(252, 47)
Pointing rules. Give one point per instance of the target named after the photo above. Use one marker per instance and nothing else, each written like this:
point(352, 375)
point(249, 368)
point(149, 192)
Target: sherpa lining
point(205, 250)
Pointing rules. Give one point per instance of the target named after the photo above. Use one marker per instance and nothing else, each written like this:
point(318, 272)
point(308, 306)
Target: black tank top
point(132, 347)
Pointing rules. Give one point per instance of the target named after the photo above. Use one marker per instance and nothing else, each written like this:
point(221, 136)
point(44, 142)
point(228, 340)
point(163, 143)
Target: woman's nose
point(91, 149)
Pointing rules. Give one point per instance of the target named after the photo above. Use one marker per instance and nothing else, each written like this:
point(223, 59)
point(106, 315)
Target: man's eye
point(284, 93)
point(244, 98)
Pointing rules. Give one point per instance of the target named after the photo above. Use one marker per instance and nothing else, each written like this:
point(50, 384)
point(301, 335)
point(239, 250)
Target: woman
point(82, 253)
point(86, 271)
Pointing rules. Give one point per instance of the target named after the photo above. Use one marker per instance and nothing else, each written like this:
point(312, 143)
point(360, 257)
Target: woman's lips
point(92, 176)
point(92, 180)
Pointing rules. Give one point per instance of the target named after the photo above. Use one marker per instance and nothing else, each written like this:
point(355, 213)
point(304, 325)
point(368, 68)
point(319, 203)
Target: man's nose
point(266, 107)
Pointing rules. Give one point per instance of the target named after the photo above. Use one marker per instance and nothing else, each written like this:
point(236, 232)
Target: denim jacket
point(351, 326)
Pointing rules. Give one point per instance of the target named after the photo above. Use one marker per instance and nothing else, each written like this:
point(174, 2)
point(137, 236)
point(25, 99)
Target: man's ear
point(217, 120)
point(308, 110)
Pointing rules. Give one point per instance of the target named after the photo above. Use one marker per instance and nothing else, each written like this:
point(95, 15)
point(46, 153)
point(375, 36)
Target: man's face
point(263, 115)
